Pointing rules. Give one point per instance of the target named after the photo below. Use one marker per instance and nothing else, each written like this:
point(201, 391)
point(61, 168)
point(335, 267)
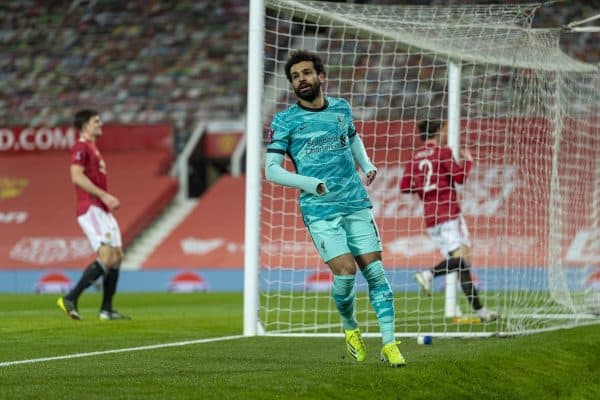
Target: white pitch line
point(140, 348)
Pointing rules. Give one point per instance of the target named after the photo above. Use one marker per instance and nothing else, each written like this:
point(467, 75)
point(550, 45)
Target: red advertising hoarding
point(506, 203)
point(38, 227)
point(44, 140)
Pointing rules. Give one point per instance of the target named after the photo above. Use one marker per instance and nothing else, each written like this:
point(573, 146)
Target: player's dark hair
point(82, 117)
point(429, 128)
point(303, 55)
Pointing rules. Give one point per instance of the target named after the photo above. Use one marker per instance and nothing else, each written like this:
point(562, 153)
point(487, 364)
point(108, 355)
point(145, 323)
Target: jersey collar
point(315, 109)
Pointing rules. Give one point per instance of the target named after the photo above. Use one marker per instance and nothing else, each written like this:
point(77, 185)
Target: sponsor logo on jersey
point(323, 143)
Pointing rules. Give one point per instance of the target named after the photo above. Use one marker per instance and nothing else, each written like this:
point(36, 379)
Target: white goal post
point(526, 111)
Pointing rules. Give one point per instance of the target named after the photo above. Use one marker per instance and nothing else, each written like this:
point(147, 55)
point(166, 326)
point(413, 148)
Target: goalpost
point(527, 112)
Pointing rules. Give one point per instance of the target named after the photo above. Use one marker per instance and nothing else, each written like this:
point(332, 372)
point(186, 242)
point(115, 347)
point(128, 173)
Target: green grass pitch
point(563, 364)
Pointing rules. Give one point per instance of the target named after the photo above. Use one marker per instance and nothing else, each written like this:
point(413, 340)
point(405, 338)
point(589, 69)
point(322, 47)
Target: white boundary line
point(140, 348)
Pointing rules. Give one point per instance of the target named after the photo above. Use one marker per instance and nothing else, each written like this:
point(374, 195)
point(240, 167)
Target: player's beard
point(309, 95)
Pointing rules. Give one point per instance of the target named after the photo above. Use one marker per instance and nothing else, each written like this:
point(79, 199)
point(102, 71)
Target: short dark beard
point(312, 95)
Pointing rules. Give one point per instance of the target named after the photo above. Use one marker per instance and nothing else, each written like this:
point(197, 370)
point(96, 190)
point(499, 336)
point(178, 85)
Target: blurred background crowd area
point(136, 61)
point(151, 61)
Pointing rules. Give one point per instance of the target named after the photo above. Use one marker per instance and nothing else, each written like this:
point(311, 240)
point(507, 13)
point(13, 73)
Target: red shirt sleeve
point(458, 171)
point(80, 154)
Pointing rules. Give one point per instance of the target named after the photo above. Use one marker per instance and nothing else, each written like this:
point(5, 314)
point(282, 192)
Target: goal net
point(527, 112)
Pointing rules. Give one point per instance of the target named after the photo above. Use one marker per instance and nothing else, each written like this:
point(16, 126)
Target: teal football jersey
point(318, 143)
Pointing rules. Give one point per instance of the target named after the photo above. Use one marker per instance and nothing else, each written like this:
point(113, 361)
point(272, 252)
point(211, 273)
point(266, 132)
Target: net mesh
point(528, 116)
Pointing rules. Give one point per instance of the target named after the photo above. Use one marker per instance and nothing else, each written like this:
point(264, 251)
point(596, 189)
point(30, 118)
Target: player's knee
point(104, 255)
point(116, 261)
point(342, 265)
point(364, 260)
point(110, 256)
point(463, 270)
point(116, 258)
point(463, 252)
point(458, 264)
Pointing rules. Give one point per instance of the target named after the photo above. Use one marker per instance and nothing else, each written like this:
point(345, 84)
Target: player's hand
point(111, 201)
point(371, 176)
point(465, 154)
point(321, 189)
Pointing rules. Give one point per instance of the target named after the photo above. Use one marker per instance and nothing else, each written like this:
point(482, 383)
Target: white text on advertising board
point(36, 139)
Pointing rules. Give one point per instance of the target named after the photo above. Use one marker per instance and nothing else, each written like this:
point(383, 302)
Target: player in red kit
point(94, 214)
point(432, 174)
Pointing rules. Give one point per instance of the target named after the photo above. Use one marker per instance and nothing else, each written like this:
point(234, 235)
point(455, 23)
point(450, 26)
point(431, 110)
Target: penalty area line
point(126, 350)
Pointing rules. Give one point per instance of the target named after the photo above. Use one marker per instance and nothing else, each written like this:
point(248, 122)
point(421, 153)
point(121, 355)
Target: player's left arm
point(458, 170)
point(406, 184)
point(359, 152)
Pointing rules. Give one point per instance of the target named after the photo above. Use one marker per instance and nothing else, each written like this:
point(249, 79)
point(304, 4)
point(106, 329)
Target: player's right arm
point(277, 147)
point(79, 178)
point(274, 172)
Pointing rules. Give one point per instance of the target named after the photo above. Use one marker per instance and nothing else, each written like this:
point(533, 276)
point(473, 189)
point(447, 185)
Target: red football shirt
point(86, 154)
point(432, 173)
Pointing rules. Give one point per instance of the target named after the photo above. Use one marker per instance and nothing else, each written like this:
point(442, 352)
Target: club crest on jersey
point(340, 120)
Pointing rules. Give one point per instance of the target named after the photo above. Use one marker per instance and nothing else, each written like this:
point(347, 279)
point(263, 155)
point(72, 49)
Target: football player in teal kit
point(319, 136)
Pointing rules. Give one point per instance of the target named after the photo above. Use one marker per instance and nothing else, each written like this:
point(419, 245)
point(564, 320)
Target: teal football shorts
point(355, 233)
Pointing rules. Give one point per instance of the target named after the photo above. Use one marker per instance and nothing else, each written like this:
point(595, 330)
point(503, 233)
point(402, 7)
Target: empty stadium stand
point(137, 61)
point(155, 61)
